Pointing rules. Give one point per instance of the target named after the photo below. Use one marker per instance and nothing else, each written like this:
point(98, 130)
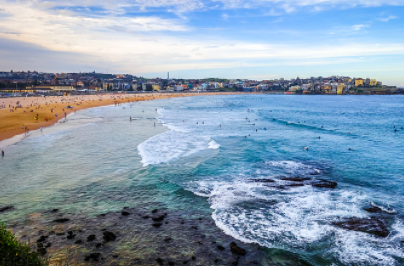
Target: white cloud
point(387, 19)
point(359, 27)
point(225, 16)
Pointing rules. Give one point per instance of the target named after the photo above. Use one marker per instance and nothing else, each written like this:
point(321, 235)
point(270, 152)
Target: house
point(359, 82)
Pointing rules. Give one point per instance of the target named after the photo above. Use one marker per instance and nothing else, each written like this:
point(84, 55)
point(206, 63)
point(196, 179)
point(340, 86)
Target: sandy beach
point(19, 115)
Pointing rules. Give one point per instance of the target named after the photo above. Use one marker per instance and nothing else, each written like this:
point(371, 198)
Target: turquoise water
point(203, 151)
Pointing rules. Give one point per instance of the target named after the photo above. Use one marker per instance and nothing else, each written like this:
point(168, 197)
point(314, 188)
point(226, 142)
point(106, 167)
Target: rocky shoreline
point(141, 237)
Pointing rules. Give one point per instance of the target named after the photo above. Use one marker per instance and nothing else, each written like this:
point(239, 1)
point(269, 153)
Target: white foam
point(295, 219)
point(214, 145)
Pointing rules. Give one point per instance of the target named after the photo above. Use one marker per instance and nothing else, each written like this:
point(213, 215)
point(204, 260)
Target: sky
point(254, 39)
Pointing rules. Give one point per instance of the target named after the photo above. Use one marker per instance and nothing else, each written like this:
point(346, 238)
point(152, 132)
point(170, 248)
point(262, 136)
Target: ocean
point(230, 157)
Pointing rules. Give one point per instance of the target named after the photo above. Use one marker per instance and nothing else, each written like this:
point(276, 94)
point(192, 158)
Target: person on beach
point(2, 153)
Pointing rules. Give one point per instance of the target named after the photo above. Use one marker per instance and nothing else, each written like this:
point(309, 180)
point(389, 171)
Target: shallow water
point(212, 146)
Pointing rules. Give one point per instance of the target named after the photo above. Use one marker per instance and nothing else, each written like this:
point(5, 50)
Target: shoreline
point(20, 119)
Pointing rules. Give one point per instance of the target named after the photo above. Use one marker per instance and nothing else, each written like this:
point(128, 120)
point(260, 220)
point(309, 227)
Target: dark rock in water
point(296, 179)
point(39, 245)
point(372, 226)
point(168, 239)
point(6, 208)
point(194, 227)
point(154, 211)
point(185, 262)
point(98, 245)
point(48, 245)
point(324, 183)
point(219, 247)
point(236, 249)
point(55, 210)
point(295, 185)
point(125, 213)
point(160, 261)
point(90, 238)
point(115, 256)
point(94, 256)
point(125, 208)
point(60, 233)
point(108, 236)
point(374, 209)
point(41, 251)
point(61, 220)
point(171, 263)
point(265, 180)
point(216, 260)
point(159, 218)
point(70, 235)
point(193, 258)
point(157, 224)
point(235, 263)
point(146, 217)
point(78, 241)
point(42, 239)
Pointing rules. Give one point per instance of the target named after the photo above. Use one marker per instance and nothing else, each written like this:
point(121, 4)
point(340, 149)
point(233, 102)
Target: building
point(373, 82)
point(359, 82)
point(156, 87)
point(51, 88)
point(294, 88)
point(340, 88)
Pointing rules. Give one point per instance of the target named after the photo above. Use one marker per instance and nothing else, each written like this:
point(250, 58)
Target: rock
point(94, 256)
point(154, 211)
point(115, 256)
point(216, 260)
point(168, 239)
point(90, 238)
point(157, 224)
point(194, 227)
point(108, 236)
point(193, 258)
point(296, 179)
point(160, 261)
point(235, 263)
point(70, 235)
point(185, 262)
point(39, 245)
point(78, 241)
point(48, 245)
point(6, 208)
point(41, 251)
point(98, 245)
point(125, 213)
point(371, 226)
point(373, 209)
point(264, 180)
point(55, 210)
point(171, 263)
point(236, 249)
point(61, 220)
point(60, 233)
point(219, 247)
point(146, 217)
point(42, 239)
point(324, 183)
point(159, 218)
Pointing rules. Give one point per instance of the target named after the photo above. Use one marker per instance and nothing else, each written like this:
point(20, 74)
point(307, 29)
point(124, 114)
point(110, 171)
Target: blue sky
point(259, 39)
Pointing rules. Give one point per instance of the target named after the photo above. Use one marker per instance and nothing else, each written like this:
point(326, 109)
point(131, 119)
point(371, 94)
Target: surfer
point(306, 148)
point(319, 137)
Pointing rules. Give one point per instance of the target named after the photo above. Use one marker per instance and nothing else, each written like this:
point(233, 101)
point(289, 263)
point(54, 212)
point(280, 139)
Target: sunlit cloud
point(387, 19)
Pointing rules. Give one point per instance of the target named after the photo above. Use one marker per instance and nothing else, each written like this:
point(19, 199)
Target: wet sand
point(18, 114)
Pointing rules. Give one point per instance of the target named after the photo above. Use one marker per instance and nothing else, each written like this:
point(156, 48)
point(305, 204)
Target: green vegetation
point(13, 253)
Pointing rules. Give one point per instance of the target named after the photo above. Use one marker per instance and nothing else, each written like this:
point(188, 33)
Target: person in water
point(130, 118)
point(2, 153)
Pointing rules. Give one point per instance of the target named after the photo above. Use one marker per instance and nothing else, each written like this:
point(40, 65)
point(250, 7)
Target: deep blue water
point(212, 146)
